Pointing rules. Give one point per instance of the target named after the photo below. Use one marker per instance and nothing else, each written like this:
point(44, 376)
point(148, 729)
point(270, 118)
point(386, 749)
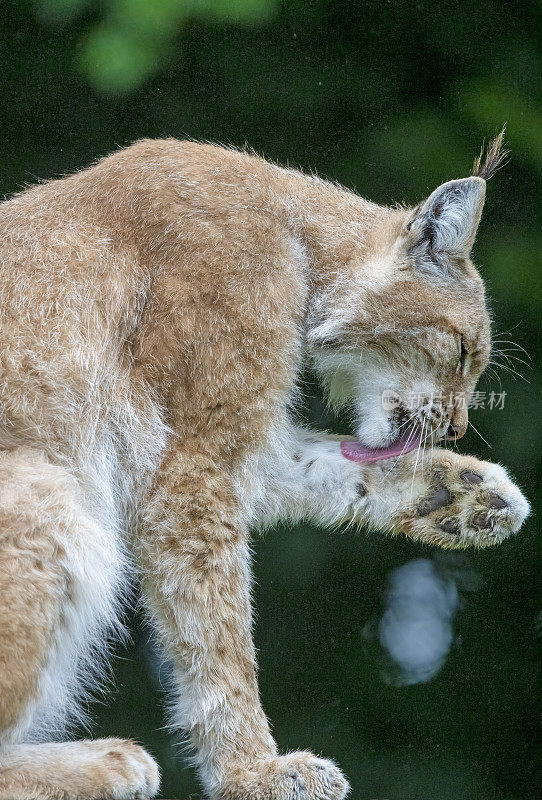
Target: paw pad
point(496, 501)
point(470, 477)
point(442, 497)
point(450, 526)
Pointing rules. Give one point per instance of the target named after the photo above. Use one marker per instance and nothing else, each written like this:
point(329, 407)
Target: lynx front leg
point(195, 558)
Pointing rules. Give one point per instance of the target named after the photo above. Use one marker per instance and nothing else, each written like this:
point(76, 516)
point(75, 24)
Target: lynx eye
point(464, 358)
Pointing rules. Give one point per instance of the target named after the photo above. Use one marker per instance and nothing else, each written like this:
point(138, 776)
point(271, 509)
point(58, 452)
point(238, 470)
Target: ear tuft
point(494, 159)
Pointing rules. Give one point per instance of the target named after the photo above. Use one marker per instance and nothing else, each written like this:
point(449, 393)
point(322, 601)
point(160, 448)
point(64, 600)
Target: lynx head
point(403, 333)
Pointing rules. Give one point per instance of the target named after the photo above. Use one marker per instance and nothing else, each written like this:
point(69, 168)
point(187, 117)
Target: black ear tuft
point(494, 159)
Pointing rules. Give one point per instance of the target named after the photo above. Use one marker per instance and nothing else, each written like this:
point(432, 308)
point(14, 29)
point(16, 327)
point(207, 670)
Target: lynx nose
point(458, 424)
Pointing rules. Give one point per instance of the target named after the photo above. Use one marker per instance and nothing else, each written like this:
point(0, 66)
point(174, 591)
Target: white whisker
point(402, 425)
point(490, 372)
point(409, 439)
point(430, 433)
point(415, 467)
point(516, 346)
point(479, 434)
point(509, 369)
point(510, 358)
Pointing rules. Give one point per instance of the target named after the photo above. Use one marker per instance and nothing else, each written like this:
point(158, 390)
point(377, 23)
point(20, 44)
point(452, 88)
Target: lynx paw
point(122, 770)
point(297, 776)
point(91, 769)
point(465, 502)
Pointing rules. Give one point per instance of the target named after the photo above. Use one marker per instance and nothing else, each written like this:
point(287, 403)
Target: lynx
point(156, 310)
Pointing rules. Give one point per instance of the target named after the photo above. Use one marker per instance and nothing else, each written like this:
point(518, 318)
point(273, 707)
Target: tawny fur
point(155, 312)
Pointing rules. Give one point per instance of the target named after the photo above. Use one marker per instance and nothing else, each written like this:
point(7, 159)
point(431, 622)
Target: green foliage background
point(390, 98)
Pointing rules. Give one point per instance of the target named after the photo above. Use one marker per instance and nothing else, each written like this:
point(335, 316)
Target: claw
point(481, 521)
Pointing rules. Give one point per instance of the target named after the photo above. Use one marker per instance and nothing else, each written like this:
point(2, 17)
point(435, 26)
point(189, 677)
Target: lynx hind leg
point(60, 575)
point(457, 501)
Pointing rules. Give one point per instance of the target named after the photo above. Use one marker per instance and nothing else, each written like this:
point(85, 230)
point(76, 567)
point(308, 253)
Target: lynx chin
point(155, 311)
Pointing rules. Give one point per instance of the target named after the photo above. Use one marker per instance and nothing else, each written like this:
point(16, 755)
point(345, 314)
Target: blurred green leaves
point(131, 38)
point(115, 61)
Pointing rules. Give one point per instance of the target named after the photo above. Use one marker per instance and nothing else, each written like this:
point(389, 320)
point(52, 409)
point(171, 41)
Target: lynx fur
point(155, 312)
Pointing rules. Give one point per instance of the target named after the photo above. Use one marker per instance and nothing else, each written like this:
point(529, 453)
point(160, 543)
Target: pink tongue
point(356, 451)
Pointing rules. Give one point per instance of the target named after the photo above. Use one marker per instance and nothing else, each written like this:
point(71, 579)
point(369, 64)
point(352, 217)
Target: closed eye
point(464, 358)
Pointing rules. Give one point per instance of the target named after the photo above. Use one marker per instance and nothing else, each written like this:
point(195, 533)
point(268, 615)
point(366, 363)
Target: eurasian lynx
point(155, 312)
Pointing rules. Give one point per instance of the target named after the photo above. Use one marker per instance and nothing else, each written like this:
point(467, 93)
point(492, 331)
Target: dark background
point(390, 98)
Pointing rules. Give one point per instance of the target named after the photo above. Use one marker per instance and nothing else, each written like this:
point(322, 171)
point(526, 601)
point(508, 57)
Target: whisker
point(489, 373)
point(415, 467)
point(402, 425)
point(422, 439)
point(429, 433)
point(433, 441)
point(515, 345)
point(423, 447)
point(511, 350)
point(507, 363)
point(406, 444)
point(479, 434)
point(490, 370)
point(508, 357)
point(409, 439)
point(429, 436)
point(509, 369)
point(509, 331)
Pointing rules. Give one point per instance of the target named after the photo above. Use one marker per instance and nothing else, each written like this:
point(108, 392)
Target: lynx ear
point(448, 220)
